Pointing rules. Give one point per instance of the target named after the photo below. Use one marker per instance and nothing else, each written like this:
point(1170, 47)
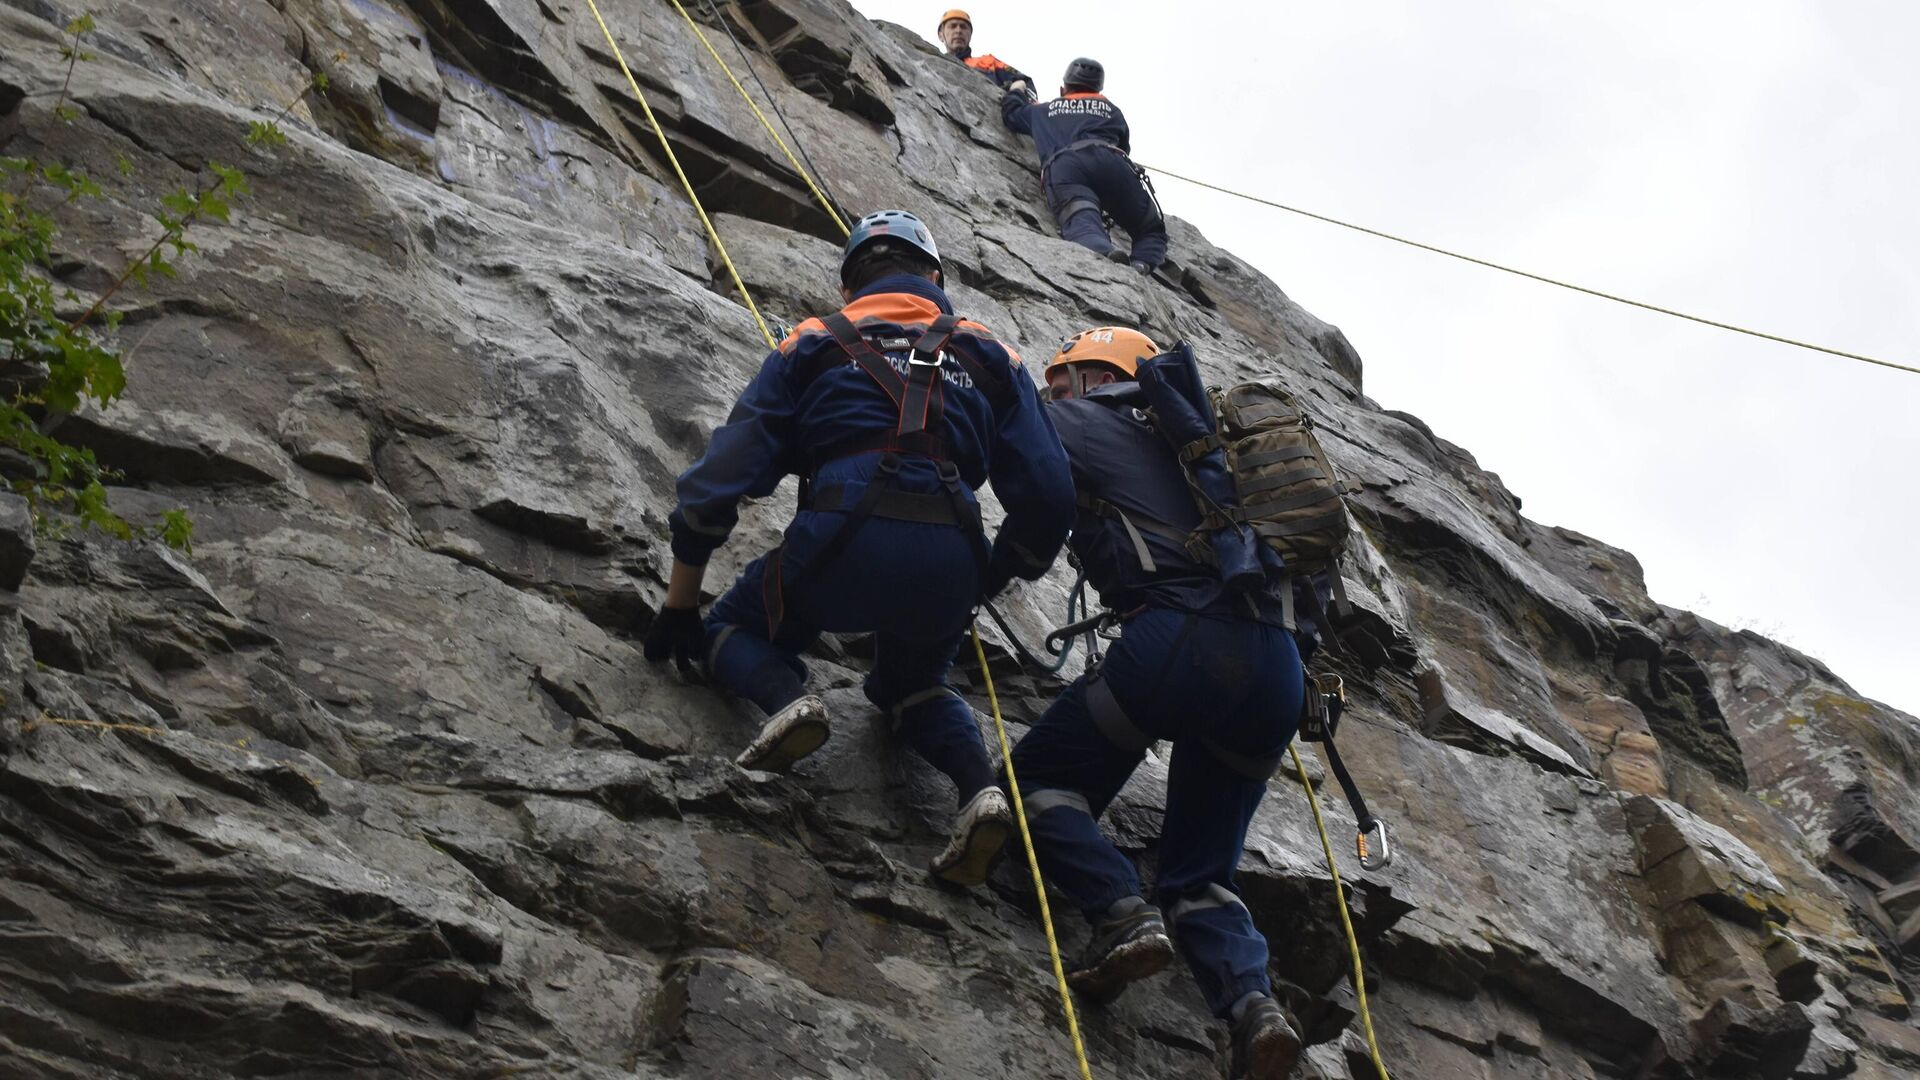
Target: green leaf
point(233, 182)
point(321, 82)
point(176, 531)
point(124, 165)
point(66, 114)
point(113, 319)
point(265, 133)
point(181, 202)
point(81, 25)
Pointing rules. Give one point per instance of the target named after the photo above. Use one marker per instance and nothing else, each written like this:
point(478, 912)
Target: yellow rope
point(674, 159)
point(1532, 276)
point(1346, 921)
point(825, 203)
point(1033, 860)
point(98, 725)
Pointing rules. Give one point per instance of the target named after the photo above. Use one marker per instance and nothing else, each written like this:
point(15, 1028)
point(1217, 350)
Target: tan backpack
point(1288, 490)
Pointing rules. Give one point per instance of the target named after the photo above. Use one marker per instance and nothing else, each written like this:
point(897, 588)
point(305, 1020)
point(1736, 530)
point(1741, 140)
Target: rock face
point(377, 784)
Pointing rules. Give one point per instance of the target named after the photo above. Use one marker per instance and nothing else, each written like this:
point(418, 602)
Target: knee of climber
point(1046, 800)
point(1150, 242)
point(753, 667)
point(1084, 226)
point(939, 706)
point(938, 724)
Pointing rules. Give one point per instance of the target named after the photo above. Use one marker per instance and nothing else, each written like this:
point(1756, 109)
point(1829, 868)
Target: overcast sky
point(1756, 162)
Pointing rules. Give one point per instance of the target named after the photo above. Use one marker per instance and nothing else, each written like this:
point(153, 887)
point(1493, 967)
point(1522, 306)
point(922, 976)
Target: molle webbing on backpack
point(1288, 491)
point(1284, 490)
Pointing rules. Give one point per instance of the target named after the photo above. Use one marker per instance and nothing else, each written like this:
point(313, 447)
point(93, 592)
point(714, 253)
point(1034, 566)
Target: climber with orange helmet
point(956, 36)
point(892, 410)
point(1084, 142)
point(1216, 672)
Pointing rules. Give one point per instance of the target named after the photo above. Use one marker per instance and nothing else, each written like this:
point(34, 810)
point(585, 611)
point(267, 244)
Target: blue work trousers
point(1083, 183)
point(910, 584)
point(1228, 693)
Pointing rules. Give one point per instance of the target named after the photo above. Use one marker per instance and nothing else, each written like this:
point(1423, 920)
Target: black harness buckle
point(1326, 700)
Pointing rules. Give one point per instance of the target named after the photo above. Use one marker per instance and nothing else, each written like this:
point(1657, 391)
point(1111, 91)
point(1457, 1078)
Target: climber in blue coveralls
point(1083, 143)
point(893, 411)
point(1216, 673)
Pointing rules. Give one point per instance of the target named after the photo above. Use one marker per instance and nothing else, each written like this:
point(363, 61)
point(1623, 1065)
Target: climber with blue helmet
point(1214, 671)
point(1084, 142)
point(892, 411)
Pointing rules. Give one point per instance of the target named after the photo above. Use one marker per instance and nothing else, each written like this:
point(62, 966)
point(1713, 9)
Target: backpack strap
point(1134, 527)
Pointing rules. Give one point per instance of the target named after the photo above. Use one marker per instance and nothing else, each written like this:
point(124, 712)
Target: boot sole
point(1126, 964)
point(1272, 1055)
point(800, 740)
point(983, 846)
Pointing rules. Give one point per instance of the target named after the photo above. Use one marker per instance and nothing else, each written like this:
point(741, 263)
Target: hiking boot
point(1265, 1046)
point(980, 830)
point(789, 735)
point(1130, 944)
point(1116, 255)
point(1140, 268)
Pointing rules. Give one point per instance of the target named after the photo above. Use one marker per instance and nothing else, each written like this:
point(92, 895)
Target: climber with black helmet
point(1084, 143)
point(892, 410)
point(956, 36)
point(1213, 671)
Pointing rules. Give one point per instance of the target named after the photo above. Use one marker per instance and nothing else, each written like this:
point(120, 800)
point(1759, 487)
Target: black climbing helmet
point(885, 225)
point(1085, 74)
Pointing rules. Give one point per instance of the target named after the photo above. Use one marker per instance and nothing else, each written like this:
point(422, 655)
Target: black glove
point(676, 633)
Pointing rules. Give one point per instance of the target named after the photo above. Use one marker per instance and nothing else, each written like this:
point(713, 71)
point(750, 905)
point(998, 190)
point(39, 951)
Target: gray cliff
point(415, 807)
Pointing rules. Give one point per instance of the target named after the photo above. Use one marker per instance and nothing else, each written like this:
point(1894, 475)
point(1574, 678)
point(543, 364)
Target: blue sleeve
point(1013, 112)
point(746, 458)
point(1031, 476)
point(1126, 133)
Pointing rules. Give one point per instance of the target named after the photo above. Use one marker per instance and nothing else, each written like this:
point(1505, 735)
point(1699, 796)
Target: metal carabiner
point(1369, 860)
point(1057, 641)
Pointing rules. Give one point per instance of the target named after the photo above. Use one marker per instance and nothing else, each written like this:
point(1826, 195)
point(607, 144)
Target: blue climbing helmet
point(887, 225)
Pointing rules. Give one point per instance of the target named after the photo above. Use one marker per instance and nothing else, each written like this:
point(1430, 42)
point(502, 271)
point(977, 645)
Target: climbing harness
point(1033, 860)
point(1532, 276)
point(825, 203)
point(920, 398)
point(1326, 700)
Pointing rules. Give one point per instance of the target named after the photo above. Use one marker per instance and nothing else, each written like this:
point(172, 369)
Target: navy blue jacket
point(810, 396)
point(1058, 124)
point(1119, 458)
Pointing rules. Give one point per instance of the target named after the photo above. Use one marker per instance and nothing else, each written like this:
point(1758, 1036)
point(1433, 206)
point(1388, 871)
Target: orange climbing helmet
point(956, 13)
point(1123, 348)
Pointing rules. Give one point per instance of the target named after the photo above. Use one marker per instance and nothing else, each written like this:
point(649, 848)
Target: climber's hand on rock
point(677, 633)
